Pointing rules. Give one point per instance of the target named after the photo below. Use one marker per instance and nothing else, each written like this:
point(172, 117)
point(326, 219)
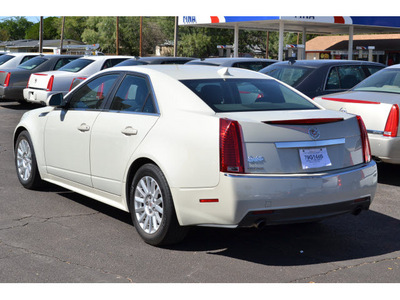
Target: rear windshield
point(287, 74)
point(386, 80)
point(5, 58)
point(32, 63)
point(131, 62)
point(233, 95)
point(76, 65)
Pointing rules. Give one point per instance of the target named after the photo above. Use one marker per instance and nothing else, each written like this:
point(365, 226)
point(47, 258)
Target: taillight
point(365, 141)
point(50, 84)
point(392, 123)
point(7, 80)
point(27, 84)
point(73, 80)
point(230, 146)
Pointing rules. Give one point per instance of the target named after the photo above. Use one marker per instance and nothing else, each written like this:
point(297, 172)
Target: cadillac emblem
point(314, 133)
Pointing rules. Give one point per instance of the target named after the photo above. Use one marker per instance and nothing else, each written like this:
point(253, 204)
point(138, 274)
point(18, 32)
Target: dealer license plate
point(314, 158)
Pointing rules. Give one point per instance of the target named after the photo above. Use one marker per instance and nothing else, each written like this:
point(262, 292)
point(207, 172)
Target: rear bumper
point(385, 148)
point(245, 199)
point(38, 96)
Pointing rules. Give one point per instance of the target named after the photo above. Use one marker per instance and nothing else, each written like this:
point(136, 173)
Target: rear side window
point(344, 77)
point(287, 74)
point(374, 69)
point(133, 95)
point(235, 95)
point(32, 63)
point(4, 58)
point(76, 65)
point(26, 58)
point(109, 63)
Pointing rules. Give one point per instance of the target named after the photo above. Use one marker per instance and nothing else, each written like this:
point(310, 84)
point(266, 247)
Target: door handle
point(83, 127)
point(129, 131)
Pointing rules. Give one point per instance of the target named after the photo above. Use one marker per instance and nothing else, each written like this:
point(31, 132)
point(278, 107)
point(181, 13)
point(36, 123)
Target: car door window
point(133, 95)
point(26, 58)
point(62, 62)
point(109, 63)
point(373, 69)
point(92, 94)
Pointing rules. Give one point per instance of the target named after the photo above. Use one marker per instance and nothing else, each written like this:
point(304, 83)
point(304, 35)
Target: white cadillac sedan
point(178, 146)
point(42, 85)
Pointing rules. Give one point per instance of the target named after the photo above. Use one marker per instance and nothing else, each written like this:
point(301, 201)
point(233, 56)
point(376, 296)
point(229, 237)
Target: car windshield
point(32, 63)
point(288, 74)
point(234, 95)
point(76, 65)
point(5, 58)
point(386, 80)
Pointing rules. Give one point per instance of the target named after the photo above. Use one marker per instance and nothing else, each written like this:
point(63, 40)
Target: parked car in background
point(254, 64)
point(13, 81)
point(44, 84)
point(377, 101)
point(183, 145)
point(155, 60)
point(11, 60)
point(320, 77)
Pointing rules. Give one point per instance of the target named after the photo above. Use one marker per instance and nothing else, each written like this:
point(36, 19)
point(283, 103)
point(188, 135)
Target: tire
point(25, 162)
point(152, 209)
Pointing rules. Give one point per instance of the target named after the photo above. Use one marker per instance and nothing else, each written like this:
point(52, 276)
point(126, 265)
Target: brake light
point(365, 141)
point(27, 84)
point(73, 80)
point(7, 80)
point(316, 121)
point(230, 146)
point(50, 84)
point(392, 123)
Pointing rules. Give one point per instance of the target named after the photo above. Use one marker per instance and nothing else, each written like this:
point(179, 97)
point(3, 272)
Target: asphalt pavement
point(57, 236)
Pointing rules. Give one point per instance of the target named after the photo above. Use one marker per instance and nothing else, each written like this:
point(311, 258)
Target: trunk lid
point(41, 80)
point(373, 107)
point(307, 141)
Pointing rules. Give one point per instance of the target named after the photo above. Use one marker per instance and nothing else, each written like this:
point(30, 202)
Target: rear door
point(118, 132)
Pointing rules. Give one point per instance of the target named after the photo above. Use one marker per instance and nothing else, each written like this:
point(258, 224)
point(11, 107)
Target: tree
point(73, 28)
point(49, 30)
point(14, 28)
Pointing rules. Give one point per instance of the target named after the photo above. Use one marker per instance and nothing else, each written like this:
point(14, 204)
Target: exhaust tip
point(260, 224)
point(357, 210)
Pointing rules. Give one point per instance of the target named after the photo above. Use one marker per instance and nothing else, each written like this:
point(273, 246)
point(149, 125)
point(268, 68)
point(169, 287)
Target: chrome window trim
point(306, 144)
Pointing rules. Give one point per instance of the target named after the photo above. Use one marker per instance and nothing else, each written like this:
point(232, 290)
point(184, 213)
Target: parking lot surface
point(54, 235)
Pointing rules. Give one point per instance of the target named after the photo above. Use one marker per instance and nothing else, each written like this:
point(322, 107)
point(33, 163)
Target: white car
point(44, 84)
point(183, 145)
point(11, 60)
point(376, 99)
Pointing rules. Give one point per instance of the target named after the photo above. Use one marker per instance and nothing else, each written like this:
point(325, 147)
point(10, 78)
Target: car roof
point(324, 62)
point(224, 60)
point(181, 72)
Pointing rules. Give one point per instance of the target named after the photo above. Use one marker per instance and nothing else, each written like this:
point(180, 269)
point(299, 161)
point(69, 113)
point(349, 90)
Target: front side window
point(234, 95)
point(76, 65)
point(32, 63)
point(133, 95)
point(92, 94)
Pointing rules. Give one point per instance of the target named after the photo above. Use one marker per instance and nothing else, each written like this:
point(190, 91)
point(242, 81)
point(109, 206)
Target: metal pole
point(140, 36)
point(236, 41)
point(62, 34)
point(176, 38)
point(117, 37)
point(41, 35)
point(350, 50)
point(267, 46)
point(280, 49)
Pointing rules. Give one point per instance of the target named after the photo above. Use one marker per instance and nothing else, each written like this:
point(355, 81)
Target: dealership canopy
point(315, 25)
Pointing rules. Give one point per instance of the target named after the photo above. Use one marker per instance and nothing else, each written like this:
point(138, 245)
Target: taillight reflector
point(7, 80)
point(50, 84)
point(230, 146)
point(209, 200)
point(392, 123)
point(365, 141)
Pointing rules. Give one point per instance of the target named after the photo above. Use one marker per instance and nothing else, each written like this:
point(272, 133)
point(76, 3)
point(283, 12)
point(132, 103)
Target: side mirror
point(56, 99)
